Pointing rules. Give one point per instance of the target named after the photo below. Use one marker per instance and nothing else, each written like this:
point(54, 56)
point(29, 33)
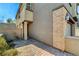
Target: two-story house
point(51, 23)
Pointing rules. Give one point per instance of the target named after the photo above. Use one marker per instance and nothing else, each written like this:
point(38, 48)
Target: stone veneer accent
point(59, 25)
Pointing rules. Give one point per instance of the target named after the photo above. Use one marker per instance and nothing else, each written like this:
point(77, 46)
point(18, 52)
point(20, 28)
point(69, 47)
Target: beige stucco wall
point(29, 16)
point(72, 45)
point(21, 29)
point(42, 26)
point(10, 29)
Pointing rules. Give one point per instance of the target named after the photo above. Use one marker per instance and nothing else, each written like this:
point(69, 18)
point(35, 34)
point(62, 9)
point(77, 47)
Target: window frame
point(28, 6)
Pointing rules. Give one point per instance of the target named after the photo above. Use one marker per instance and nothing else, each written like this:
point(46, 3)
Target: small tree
point(9, 20)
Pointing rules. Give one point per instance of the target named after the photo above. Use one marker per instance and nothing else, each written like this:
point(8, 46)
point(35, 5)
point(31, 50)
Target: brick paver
point(32, 50)
point(32, 47)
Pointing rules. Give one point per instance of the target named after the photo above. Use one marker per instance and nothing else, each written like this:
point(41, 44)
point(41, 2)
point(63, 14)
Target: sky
point(8, 10)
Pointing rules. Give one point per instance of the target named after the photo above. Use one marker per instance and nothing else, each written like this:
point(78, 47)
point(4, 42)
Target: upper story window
point(77, 9)
point(69, 19)
point(21, 7)
point(18, 15)
point(28, 6)
point(70, 4)
point(67, 16)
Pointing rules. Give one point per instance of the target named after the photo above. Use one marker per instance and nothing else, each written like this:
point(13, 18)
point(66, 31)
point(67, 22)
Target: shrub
point(3, 44)
point(5, 48)
point(0, 53)
point(10, 52)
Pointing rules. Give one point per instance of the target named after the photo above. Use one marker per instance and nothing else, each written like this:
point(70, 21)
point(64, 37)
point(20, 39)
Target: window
point(70, 4)
point(77, 9)
point(67, 16)
point(19, 15)
point(28, 6)
point(69, 28)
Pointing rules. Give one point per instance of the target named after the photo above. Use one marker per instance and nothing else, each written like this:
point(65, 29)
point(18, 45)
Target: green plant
point(0, 53)
point(10, 52)
point(3, 44)
point(5, 48)
point(9, 20)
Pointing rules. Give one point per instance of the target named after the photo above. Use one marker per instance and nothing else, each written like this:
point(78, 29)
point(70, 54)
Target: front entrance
point(24, 30)
point(58, 28)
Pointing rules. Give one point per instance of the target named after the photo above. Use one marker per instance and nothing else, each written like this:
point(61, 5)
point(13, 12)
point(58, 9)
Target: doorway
point(24, 30)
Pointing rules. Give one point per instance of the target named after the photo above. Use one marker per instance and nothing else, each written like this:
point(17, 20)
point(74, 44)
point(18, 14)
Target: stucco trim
point(58, 7)
point(67, 11)
point(64, 7)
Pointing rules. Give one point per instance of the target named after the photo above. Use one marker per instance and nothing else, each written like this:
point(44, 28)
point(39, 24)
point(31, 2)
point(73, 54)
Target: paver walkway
point(33, 47)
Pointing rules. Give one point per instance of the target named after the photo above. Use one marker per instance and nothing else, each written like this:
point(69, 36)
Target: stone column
point(25, 30)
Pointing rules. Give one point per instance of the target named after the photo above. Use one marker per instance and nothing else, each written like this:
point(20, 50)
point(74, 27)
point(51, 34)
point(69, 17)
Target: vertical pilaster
point(59, 24)
point(25, 30)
